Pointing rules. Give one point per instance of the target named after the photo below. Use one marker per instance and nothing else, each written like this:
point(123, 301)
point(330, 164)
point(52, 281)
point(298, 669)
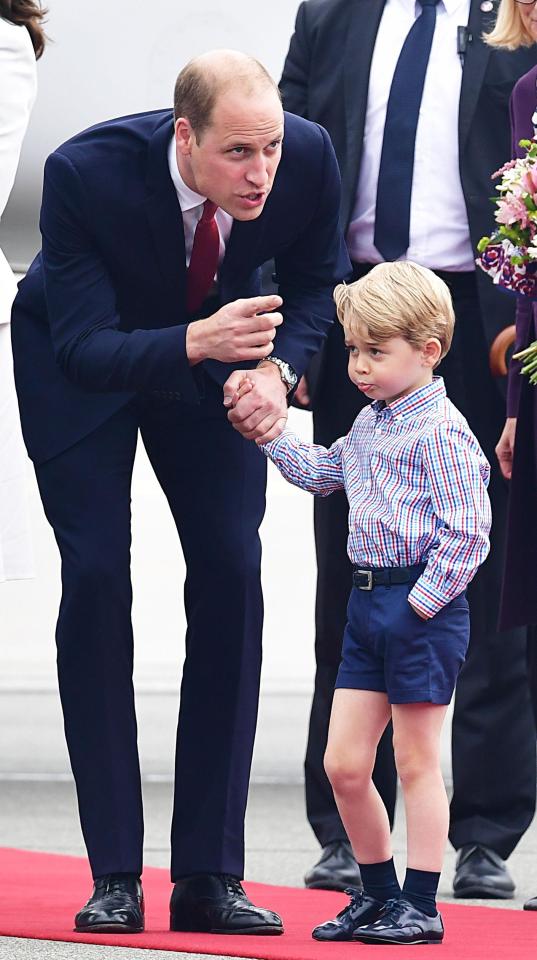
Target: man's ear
point(431, 351)
point(184, 136)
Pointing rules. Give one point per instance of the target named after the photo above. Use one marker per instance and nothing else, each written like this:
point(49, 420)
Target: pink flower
point(507, 166)
point(511, 211)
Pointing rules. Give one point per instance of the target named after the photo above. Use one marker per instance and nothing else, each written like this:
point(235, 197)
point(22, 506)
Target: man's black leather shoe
point(481, 873)
point(361, 910)
point(530, 904)
point(401, 922)
point(216, 903)
point(115, 906)
point(336, 869)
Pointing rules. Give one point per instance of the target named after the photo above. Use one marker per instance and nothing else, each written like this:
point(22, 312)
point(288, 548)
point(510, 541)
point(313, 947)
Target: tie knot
point(428, 3)
point(209, 210)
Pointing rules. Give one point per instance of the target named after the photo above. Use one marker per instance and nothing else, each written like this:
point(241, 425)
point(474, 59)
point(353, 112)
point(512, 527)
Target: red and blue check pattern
point(416, 481)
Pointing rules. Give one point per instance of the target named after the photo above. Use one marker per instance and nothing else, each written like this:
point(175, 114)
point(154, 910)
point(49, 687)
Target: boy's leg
point(413, 918)
point(357, 722)
point(416, 740)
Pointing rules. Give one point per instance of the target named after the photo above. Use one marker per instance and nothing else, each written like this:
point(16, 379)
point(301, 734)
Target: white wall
point(108, 59)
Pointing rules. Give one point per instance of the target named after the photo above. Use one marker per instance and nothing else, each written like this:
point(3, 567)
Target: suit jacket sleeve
point(89, 346)
point(308, 270)
point(296, 69)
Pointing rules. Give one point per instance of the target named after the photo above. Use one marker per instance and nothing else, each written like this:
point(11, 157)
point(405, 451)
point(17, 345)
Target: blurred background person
point(516, 28)
point(362, 69)
point(21, 42)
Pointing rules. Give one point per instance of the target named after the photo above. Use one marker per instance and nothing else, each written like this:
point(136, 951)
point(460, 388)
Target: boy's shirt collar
point(416, 402)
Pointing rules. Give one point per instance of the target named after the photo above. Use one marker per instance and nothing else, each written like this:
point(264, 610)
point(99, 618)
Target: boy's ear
point(431, 351)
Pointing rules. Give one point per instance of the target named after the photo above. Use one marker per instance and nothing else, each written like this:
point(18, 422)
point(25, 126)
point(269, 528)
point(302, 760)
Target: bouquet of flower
point(509, 255)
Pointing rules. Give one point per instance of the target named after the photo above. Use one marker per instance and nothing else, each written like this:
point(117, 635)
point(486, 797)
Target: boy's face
point(389, 369)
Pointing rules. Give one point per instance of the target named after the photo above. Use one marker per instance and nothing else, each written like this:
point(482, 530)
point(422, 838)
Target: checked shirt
point(416, 481)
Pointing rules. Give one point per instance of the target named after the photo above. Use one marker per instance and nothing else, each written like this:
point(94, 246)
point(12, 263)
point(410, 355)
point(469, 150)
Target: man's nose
point(257, 173)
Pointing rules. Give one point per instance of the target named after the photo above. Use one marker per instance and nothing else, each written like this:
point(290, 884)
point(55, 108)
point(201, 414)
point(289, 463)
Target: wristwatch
point(288, 375)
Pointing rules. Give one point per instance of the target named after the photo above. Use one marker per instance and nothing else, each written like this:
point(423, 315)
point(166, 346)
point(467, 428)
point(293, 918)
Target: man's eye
point(238, 151)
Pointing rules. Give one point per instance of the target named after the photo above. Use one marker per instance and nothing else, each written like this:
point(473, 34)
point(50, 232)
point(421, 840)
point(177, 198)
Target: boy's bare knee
point(347, 774)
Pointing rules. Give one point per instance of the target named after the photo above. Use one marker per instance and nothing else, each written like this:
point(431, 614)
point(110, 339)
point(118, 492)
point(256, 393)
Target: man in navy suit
point(125, 325)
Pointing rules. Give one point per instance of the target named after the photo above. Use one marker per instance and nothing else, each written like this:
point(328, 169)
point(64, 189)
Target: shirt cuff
point(271, 447)
point(426, 599)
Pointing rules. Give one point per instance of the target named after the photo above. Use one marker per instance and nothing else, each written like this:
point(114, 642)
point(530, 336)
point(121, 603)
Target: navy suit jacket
point(101, 314)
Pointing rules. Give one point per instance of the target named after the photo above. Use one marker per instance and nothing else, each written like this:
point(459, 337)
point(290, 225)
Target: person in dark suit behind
point(353, 65)
point(113, 335)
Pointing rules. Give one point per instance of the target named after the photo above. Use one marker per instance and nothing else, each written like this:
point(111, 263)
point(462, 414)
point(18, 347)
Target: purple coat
point(519, 596)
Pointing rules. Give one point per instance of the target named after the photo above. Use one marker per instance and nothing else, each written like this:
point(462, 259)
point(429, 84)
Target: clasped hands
point(245, 330)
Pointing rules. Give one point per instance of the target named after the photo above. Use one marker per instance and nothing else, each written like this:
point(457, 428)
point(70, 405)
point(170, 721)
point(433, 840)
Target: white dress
point(18, 82)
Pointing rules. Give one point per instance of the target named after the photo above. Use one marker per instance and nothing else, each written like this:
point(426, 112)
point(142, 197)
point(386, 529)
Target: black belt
point(366, 578)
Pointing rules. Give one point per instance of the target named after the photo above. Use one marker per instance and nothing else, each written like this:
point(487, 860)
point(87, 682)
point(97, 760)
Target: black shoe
point(480, 873)
point(530, 904)
point(336, 869)
point(115, 906)
point(403, 923)
point(362, 909)
point(216, 903)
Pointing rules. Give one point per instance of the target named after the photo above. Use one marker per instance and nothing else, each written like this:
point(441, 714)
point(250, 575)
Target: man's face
point(235, 162)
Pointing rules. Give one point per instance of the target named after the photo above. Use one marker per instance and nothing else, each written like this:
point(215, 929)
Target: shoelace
point(113, 885)
point(356, 901)
point(233, 886)
point(394, 908)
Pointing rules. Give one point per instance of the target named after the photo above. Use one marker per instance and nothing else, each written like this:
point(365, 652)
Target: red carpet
point(40, 893)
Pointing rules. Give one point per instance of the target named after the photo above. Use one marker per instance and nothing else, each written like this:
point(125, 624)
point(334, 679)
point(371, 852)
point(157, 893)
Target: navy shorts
point(387, 647)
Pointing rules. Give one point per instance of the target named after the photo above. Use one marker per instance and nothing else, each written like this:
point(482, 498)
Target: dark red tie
point(204, 259)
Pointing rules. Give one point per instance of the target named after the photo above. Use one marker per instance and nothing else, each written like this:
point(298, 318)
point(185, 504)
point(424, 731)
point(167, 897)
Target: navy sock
point(420, 888)
point(380, 880)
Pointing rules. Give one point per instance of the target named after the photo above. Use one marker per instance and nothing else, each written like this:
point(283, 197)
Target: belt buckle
point(369, 575)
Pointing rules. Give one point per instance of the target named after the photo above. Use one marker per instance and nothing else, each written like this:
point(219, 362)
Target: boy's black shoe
point(401, 922)
point(362, 909)
point(115, 906)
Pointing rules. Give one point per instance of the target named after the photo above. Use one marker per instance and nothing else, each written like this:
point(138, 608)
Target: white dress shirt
point(18, 83)
point(439, 232)
point(191, 204)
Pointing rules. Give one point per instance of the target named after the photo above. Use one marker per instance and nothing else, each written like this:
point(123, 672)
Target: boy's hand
point(416, 611)
point(260, 414)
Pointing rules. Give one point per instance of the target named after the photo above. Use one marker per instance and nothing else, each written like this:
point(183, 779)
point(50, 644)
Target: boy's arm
point(458, 475)
point(307, 465)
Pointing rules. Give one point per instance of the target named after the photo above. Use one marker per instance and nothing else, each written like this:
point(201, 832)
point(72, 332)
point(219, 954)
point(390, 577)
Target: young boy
point(419, 518)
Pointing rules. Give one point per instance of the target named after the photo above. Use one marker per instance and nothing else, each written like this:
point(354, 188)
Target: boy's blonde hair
point(398, 299)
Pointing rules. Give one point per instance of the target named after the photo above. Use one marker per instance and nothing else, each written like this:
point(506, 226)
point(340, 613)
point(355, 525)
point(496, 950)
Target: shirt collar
point(451, 6)
point(416, 402)
point(188, 199)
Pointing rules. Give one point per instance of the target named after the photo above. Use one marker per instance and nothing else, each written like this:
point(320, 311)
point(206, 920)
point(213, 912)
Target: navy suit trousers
point(214, 481)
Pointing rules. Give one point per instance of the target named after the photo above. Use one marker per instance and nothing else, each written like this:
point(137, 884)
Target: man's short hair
point(201, 82)
point(398, 299)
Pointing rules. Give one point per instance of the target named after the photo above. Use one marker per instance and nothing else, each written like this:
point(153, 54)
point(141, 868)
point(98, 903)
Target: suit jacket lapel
point(164, 213)
point(363, 25)
point(475, 65)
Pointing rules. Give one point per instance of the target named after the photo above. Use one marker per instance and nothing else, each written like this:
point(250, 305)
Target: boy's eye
point(375, 352)
point(350, 348)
